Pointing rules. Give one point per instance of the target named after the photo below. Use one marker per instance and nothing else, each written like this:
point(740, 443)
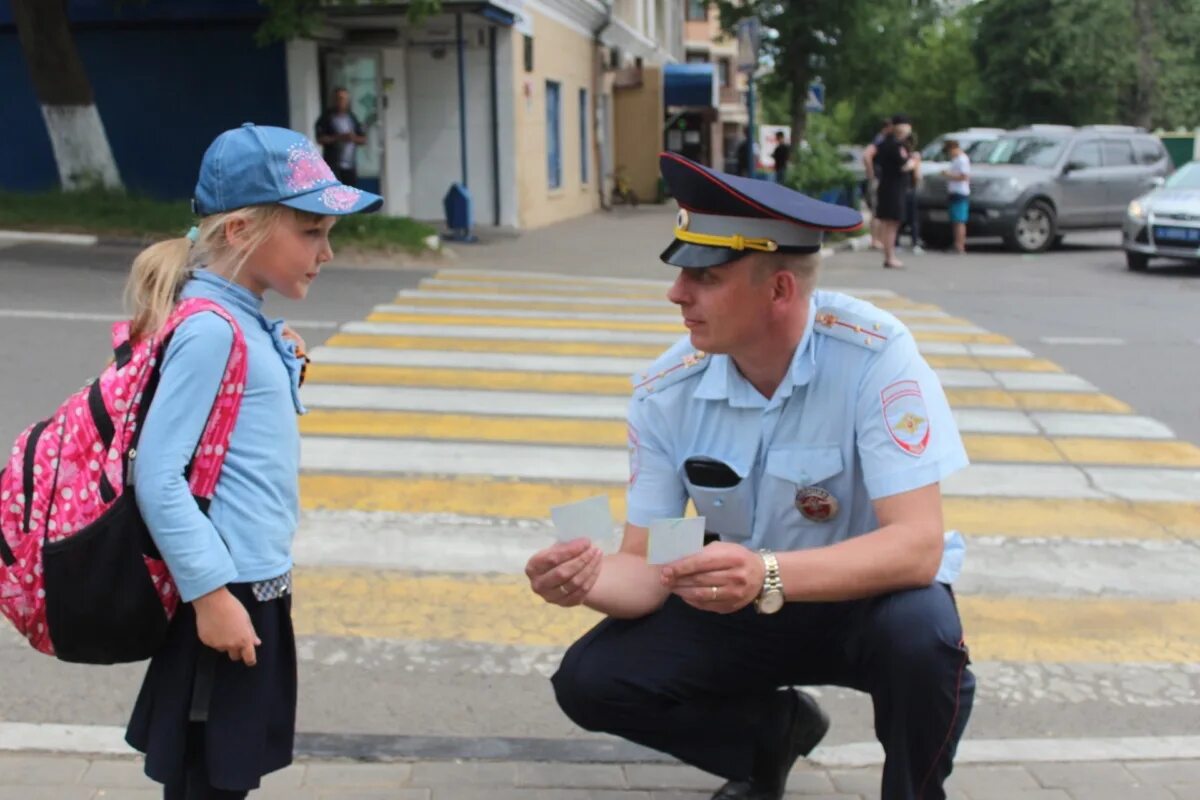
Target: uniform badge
point(906, 417)
point(816, 504)
point(682, 219)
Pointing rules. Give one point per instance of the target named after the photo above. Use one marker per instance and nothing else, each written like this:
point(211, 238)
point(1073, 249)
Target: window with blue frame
point(583, 136)
point(554, 134)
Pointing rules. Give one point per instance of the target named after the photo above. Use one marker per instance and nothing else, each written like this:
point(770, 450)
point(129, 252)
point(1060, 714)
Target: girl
point(218, 706)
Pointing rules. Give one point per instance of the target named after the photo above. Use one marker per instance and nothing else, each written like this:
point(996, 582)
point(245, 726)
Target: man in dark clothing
point(340, 133)
point(781, 155)
point(743, 158)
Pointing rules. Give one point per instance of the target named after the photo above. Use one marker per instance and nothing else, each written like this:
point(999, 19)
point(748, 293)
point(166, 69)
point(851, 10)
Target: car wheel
point(1033, 231)
point(1137, 262)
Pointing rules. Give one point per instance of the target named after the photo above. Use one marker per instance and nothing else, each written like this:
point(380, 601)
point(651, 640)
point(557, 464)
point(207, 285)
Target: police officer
point(812, 436)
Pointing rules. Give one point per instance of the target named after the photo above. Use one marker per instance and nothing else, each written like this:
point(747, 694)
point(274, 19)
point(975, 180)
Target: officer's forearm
point(627, 588)
point(892, 558)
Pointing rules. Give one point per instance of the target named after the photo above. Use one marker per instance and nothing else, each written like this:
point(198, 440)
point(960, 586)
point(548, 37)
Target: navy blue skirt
point(250, 713)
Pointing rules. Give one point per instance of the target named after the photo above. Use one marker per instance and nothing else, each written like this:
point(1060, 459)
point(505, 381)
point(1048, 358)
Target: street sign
point(815, 102)
point(749, 37)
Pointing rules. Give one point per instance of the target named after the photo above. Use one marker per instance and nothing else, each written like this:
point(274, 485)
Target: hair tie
point(193, 234)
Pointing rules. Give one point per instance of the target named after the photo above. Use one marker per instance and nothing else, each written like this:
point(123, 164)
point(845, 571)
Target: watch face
point(771, 602)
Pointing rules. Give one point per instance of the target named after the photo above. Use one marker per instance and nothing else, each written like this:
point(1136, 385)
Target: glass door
point(360, 73)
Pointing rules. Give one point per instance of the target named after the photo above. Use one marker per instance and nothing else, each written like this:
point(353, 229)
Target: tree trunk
point(800, 78)
point(77, 134)
point(1143, 94)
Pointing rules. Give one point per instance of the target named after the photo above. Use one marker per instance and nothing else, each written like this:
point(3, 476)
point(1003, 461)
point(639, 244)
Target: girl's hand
point(223, 624)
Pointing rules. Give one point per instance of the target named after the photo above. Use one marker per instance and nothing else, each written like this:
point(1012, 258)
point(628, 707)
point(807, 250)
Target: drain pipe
point(597, 89)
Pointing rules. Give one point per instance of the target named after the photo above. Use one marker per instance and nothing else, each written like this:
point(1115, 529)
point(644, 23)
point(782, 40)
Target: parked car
point(1031, 185)
point(850, 157)
point(934, 160)
point(1165, 223)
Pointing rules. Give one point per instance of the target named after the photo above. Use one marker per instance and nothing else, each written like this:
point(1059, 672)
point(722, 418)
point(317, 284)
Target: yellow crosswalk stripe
point(991, 364)
point(1037, 401)
point(464, 427)
point(965, 338)
point(539, 279)
point(503, 611)
point(521, 322)
point(566, 292)
point(667, 310)
point(497, 380)
point(513, 499)
point(450, 344)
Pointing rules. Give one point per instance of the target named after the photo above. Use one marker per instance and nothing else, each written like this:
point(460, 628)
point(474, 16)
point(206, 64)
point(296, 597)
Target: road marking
point(77, 239)
point(927, 336)
point(1035, 401)
point(464, 427)
point(528, 276)
point(1125, 452)
point(501, 610)
point(1158, 485)
point(1162, 485)
point(1040, 382)
point(1109, 426)
point(1082, 340)
point(449, 400)
point(477, 330)
point(572, 323)
point(573, 383)
point(648, 352)
point(86, 316)
point(614, 293)
point(378, 356)
point(1098, 519)
point(511, 460)
point(566, 305)
point(109, 740)
point(527, 313)
point(942, 362)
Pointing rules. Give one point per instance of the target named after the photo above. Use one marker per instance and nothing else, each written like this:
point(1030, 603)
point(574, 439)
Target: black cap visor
point(697, 256)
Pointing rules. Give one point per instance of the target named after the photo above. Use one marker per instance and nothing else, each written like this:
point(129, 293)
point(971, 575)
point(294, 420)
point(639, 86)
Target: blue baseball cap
point(258, 164)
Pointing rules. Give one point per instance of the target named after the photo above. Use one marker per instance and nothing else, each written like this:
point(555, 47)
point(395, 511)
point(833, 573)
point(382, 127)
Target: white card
point(673, 539)
point(590, 519)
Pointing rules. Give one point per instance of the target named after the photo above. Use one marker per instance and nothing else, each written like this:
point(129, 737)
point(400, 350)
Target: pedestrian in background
point(217, 709)
point(870, 159)
point(340, 133)
point(958, 187)
point(894, 162)
point(781, 155)
point(912, 218)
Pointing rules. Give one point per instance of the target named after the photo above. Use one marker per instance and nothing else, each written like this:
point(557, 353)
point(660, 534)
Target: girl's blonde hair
point(160, 270)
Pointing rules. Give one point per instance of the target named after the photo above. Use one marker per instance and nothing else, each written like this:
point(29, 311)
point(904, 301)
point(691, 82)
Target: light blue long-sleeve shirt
point(247, 534)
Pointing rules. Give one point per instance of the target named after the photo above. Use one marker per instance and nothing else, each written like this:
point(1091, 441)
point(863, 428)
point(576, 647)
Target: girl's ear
point(235, 231)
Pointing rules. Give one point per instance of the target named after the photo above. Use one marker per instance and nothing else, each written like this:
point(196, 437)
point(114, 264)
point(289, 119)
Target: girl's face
point(290, 258)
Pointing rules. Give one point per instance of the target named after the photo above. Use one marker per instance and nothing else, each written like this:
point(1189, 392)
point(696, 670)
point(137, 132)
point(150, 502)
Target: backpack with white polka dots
point(81, 578)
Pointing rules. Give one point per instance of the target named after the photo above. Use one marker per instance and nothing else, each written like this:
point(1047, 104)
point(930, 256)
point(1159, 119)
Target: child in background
point(958, 187)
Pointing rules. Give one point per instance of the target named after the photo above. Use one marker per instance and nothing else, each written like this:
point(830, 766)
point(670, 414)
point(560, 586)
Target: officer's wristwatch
point(770, 599)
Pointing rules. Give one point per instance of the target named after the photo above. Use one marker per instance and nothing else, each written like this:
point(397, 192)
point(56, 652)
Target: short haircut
point(951, 144)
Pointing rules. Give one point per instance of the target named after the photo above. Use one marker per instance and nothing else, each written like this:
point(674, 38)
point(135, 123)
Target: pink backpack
point(81, 578)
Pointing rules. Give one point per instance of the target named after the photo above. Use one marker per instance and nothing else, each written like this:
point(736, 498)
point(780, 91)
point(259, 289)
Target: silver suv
point(1032, 184)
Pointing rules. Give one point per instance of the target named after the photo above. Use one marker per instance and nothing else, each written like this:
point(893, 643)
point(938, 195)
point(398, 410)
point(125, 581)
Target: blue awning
point(692, 85)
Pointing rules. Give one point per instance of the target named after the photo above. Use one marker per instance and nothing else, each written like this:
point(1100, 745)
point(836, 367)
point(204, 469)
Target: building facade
point(521, 101)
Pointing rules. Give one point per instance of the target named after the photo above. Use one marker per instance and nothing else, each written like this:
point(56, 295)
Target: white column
point(397, 178)
point(303, 85)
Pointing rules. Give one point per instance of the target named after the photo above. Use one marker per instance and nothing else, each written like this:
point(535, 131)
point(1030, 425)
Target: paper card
point(590, 519)
point(673, 539)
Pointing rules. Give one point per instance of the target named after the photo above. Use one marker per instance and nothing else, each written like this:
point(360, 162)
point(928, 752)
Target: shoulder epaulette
point(839, 323)
point(670, 368)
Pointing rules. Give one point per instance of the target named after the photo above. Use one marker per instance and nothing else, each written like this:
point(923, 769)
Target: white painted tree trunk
point(80, 147)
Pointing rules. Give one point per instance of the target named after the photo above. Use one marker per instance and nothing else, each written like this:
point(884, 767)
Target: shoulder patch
point(838, 323)
point(664, 373)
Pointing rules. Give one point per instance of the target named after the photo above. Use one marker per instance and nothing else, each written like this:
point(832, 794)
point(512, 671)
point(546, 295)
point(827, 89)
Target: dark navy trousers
point(703, 687)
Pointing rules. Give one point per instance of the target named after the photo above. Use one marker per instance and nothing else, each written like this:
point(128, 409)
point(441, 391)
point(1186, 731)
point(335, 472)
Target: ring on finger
point(714, 593)
point(563, 588)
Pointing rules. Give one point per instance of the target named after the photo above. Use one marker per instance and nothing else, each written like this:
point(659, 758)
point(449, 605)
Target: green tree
point(853, 45)
point(1065, 61)
point(1176, 47)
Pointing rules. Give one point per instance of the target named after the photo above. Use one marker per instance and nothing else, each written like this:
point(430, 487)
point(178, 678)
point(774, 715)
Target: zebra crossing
point(444, 425)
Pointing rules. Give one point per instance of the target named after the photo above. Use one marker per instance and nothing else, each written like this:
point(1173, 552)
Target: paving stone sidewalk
point(72, 777)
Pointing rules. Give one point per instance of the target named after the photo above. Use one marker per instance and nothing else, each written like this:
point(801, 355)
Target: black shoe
point(808, 726)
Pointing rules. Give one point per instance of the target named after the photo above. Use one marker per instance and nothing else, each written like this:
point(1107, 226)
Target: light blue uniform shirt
point(247, 534)
point(860, 414)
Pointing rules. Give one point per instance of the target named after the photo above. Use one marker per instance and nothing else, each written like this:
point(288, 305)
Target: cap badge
point(816, 504)
point(682, 219)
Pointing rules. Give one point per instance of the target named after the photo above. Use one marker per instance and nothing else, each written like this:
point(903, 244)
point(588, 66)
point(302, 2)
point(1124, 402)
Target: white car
point(1165, 222)
point(933, 155)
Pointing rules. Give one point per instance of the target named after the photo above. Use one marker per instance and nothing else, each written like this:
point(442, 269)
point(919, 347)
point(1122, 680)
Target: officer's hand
point(564, 573)
point(735, 573)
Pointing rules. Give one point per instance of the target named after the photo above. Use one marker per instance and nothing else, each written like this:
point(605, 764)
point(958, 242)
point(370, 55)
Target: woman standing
point(894, 165)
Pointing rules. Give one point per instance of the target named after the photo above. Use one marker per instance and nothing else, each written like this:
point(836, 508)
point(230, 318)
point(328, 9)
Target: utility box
point(460, 217)
point(1182, 145)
